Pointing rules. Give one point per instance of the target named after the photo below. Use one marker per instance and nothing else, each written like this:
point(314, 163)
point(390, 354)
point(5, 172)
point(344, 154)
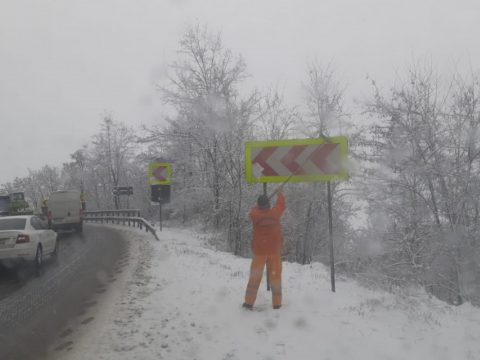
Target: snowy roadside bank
point(177, 299)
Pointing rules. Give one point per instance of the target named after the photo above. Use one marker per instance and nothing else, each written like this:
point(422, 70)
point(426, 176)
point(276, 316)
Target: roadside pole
point(268, 277)
point(330, 235)
point(160, 178)
point(160, 210)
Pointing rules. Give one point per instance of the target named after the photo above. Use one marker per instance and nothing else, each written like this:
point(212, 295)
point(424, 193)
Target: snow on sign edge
point(282, 157)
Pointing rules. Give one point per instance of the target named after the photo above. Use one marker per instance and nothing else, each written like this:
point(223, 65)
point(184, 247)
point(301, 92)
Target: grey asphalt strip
point(33, 309)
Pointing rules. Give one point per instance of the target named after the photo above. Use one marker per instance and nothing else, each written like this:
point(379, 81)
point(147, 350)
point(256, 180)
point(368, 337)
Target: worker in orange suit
point(266, 248)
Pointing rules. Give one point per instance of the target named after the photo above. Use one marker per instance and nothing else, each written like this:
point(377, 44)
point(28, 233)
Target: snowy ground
point(178, 299)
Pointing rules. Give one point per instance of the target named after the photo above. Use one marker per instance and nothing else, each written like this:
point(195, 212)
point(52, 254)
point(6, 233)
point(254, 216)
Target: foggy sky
point(64, 62)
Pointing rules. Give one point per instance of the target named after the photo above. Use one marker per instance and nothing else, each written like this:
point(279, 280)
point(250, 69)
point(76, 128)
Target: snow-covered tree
point(427, 175)
point(112, 150)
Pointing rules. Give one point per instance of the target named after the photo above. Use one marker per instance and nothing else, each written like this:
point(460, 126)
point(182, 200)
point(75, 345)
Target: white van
point(65, 210)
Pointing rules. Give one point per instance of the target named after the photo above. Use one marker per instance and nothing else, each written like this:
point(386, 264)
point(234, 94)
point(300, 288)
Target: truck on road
point(65, 210)
point(14, 203)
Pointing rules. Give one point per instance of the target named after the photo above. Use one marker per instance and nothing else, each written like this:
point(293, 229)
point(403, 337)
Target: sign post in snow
point(160, 178)
point(119, 191)
point(300, 160)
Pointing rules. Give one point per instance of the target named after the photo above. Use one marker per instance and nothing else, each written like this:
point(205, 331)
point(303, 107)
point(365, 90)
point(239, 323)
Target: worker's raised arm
point(280, 205)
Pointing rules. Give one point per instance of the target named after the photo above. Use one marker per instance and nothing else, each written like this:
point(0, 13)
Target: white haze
point(62, 64)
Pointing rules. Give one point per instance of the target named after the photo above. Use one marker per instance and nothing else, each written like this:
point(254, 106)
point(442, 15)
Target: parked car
point(26, 238)
point(65, 210)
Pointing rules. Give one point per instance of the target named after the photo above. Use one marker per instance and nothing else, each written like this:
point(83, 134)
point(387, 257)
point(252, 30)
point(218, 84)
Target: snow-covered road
point(179, 299)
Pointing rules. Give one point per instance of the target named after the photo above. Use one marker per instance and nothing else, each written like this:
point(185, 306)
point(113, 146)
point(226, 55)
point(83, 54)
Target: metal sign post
point(160, 178)
point(160, 210)
point(160, 194)
point(330, 236)
point(121, 191)
point(268, 277)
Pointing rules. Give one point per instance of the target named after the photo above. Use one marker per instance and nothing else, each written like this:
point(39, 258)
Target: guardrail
point(123, 217)
point(121, 213)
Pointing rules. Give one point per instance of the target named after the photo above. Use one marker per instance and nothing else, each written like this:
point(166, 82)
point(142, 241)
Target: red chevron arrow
point(261, 159)
point(320, 155)
point(160, 173)
point(290, 159)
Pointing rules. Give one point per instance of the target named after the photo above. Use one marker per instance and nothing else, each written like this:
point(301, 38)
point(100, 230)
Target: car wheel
point(39, 260)
point(79, 228)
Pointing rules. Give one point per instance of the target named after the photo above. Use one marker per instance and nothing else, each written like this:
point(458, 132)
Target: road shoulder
point(93, 327)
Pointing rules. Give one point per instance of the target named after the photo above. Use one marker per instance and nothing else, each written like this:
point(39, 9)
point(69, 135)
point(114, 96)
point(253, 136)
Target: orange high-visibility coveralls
point(266, 249)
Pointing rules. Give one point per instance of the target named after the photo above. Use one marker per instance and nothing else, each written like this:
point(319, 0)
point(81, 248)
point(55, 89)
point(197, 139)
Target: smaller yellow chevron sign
point(159, 173)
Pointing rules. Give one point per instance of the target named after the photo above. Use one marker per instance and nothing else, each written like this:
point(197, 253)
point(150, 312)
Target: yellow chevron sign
point(298, 160)
point(159, 173)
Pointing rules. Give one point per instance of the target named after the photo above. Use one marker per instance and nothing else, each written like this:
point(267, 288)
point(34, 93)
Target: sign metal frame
point(252, 178)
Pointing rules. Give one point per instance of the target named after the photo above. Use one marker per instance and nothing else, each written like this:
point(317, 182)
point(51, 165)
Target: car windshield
point(256, 180)
point(12, 224)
